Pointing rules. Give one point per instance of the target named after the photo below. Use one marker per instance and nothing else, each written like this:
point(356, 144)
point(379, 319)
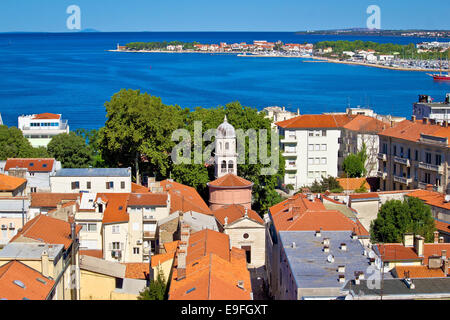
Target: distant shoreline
point(319, 59)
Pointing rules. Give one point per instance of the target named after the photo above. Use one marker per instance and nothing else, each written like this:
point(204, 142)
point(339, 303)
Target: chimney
point(425, 120)
point(418, 245)
point(318, 233)
point(413, 118)
point(392, 123)
point(341, 269)
point(181, 268)
point(185, 232)
point(240, 284)
point(441, 239)
point(246, 212)
point(429, 187)
point(343, 247)
point(408, 240)
point(225, 221)
point(445, 123)
point(342, 278)
point(45, 262)
point(432, 121)
point(436, 236)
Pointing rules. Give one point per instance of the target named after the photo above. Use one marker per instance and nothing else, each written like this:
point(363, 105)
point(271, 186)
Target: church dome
point(226, 130)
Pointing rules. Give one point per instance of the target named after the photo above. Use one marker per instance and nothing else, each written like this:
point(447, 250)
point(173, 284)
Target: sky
point(215, 15)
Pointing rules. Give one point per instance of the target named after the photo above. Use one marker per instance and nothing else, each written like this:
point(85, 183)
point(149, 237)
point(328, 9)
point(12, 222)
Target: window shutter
point(107, 185)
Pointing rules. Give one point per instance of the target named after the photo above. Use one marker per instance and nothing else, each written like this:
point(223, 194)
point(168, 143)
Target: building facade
point(39, 129)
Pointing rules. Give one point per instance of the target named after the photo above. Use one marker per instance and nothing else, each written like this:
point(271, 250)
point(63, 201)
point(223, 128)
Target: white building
point(108, 180)
point(311, 147)
point(39, 129)
point(226, 156)
point(276, 114)
point(37, 171)
point(426, 108)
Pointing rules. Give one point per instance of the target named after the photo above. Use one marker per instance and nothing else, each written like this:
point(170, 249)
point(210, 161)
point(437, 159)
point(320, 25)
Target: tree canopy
point(354, 164)
point(156, 290)
point(396, 218)
point(326, 184)
point(14, 145)
point(71, 150)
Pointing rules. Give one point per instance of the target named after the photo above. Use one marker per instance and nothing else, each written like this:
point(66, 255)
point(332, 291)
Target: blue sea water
point(74, 74)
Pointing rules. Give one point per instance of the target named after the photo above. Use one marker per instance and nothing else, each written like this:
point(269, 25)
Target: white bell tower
point(226, 156)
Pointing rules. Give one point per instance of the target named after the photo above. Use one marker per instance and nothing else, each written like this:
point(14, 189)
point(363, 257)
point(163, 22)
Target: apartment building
point(414, 154)
point(106, 180)
point(37, 171)
point(277, 114)
point(302, 212)
point(39, 129)
point(48, 245)
point(427, 108)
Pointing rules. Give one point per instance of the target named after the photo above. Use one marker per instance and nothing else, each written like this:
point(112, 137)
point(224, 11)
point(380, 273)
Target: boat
point(441, 76)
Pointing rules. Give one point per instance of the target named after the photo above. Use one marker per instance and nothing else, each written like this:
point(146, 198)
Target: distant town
point(426, 56)
point(387, 33)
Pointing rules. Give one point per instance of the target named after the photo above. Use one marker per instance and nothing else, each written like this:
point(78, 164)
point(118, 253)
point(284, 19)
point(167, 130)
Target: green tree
point(362, 188)
point(326, 184)
point(71, 150)
point(354, 164)
point(14, 145)
point(396, 218)
point(139, 125)
point(92, 140)
point(156, 290)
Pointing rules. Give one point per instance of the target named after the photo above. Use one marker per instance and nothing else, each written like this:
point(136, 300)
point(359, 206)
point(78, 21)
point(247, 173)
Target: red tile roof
point(137, 270)
point(147, 199)
point(442, 226)
point(353, 183)
point(92, 253)
point(184, 198)
point(33, 289)
point(362, 123)
point(47, 116)
point(212, 270)
point(50, 200)
point(171, 248)
point(235, 212)
point(32, 164)
point(311, 215)
point(116, 207)
point(136, 188)
point(419, 272)
point(316, 121)
point(230, 180)
point(364, 195)
point(431, 198)
point(397, 251)
point(48, 230)
point(408, 130)
point(10, 183)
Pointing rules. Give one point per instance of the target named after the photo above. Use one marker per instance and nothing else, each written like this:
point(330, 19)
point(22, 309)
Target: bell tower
point(226, 156)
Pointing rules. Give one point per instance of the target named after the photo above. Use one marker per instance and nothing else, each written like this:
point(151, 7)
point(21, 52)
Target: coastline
point(315, 58)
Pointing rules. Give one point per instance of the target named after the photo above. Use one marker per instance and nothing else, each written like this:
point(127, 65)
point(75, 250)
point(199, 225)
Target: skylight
point(19, 283)
point(190, 290)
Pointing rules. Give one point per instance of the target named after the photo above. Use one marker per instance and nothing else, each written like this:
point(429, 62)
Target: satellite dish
point(330, 258)
point(371, 255)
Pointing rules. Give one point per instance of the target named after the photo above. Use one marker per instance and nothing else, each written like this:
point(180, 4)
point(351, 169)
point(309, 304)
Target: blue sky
point(214, 15)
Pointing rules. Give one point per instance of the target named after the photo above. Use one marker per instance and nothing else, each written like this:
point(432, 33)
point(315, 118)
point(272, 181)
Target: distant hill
point(381, 32)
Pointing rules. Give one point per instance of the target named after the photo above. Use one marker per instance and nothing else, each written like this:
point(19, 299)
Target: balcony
point(382, 156)
point(291, 168)
point(403, 161)
point(290, 153)
point(432, 167)
point(402, 180)
point(382, 175)
point(289, 139)
point(149, 218)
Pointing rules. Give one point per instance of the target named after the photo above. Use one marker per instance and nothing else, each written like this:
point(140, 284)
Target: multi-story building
point(301, 213)
point(427, 108)
point(312, 147)
point(414, 154)
point(49, 246)
point(277, 114)
point(107, 180)
point(36, 171)
point(39, 129)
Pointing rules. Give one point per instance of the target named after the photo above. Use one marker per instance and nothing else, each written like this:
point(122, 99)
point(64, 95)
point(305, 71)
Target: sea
point(74, 74)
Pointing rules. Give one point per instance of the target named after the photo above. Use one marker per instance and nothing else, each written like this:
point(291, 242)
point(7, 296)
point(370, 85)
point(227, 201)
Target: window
point(311, 133)
point(75, 185)
point(438, 159)
point(323, 161)
point(227, 146)
point(223, 166)
point(317, 147)
point(119, 283)
point(317, 133)
point(395, 169)
point(83, 226)
point(395, 150)
point(310, 174)
point(310, 160)
point(135, 250)
point(317, 161)
point(115, 229)
point(245, 235)
point(409, 154)
point(428, 157)
point(88, 185)
point(310, 147)
point(110, 185)
point(324, 173)
point(427, 178)
point(417, 155)
point(100, 208)
point(324, 133)
point(122, 185)
point(92, 227)
point(324, 147)
point(33, 189)
point(115, 246)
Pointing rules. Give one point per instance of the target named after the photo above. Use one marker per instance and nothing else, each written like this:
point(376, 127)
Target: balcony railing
point(382, 156)
point(289, 139)
point(431, 167)
point(403, 180)
point(403, 161)
point(291, 167)
point(290, 153)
